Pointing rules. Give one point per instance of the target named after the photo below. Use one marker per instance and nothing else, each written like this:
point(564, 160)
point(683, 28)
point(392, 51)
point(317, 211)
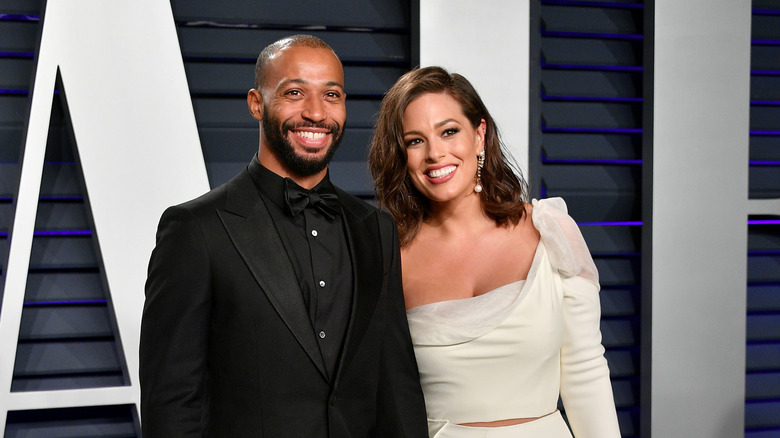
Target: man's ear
point(255, 102)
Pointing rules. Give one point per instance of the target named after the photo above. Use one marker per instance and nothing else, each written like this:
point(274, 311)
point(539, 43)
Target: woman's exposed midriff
point(509, 422)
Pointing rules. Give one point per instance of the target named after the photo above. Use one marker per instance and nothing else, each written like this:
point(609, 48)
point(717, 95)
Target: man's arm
point(401, 407)
point(174, 329)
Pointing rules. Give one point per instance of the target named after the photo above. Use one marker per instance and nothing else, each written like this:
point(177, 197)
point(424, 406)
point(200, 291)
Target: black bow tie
point(298, 198)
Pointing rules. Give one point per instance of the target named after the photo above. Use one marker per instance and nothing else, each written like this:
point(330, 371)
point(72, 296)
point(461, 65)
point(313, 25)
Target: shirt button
point(314, 233)
point(322, 283)
point(322, 334)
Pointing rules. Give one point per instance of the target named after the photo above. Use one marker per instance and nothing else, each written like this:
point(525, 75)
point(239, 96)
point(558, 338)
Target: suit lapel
point(251, 229)
point(368, 276)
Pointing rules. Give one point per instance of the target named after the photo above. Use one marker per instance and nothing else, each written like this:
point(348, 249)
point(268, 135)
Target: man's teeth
point(444, 171)
point(311, 135)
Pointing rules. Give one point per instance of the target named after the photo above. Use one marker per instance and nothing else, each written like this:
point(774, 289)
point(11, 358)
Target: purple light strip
point(760, 342)
point(765, 72)
point(763, 399)
point(764, 132)
point(609, 224)
point(764, 222)
point(59, 303)
point(19, 17)
point(764, 42)
point(760, 252)
point(545, 65)
point(589, 161)
point(765, 102)
point(55, 233)
point(639, 223)
point(600, 35)
point(63, 233)
point(594, 4)
point(764, 163)
point(17, 54)
point(596, 130)
point(13, 92)
point(766, 11)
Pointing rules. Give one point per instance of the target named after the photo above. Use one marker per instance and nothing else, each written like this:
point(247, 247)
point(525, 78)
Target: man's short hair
point(272, 49)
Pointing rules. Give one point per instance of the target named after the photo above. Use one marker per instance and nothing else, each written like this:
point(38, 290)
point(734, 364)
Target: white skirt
point(549, 426)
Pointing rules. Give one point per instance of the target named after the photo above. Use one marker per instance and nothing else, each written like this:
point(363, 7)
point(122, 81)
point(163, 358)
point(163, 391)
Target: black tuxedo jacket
point(227, 347)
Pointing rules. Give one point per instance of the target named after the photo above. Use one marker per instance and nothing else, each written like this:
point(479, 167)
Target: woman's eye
point(413, 142)
point(449, 132)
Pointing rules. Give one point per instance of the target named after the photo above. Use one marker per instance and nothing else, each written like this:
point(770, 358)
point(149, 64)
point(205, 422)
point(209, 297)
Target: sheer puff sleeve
point(586, 390)
point(562, 238)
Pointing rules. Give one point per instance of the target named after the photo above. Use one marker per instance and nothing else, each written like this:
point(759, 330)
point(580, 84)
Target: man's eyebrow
point(298, 81)
point(301, 81)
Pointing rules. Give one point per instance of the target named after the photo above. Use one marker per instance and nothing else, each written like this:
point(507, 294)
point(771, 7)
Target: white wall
point(699, 231)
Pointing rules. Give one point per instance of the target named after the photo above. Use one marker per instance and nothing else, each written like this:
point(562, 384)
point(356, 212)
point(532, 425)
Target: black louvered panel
point(762, 380)
point(765, 102)
point(235, 79)
point(590, 125)
point(379, 46)
point(91, 422)
point(220, 45)
point(16, 47)
point(353, 14)
point(67, 337)
point(16, 52)
point(595, 192)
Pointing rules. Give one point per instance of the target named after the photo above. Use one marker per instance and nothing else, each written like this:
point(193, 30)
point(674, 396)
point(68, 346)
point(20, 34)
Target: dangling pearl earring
point(480, 163)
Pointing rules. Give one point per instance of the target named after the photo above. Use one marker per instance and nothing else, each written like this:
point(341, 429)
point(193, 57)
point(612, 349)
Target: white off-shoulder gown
point(510, 352)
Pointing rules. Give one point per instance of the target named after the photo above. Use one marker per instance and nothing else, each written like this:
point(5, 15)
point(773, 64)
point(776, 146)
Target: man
point(273, 303)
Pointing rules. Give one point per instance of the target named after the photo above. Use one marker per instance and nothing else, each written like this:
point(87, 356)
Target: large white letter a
point(137, 141)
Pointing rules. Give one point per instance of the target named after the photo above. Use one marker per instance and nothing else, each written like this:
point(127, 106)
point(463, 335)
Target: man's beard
point(276, 136)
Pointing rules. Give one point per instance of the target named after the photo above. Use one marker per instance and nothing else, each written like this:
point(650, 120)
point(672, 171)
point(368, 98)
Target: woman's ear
point(481, 128)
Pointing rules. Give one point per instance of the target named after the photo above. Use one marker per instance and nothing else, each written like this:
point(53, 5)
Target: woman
point(502, 296)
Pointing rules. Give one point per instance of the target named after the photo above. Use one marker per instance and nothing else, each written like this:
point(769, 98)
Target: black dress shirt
point(316, 243)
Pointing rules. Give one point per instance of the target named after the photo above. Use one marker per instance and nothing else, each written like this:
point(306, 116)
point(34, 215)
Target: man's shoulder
point(207, 200)
point(215, 198)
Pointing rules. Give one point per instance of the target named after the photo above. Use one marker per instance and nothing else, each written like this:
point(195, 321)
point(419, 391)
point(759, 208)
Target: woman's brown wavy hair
point(504, 191)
